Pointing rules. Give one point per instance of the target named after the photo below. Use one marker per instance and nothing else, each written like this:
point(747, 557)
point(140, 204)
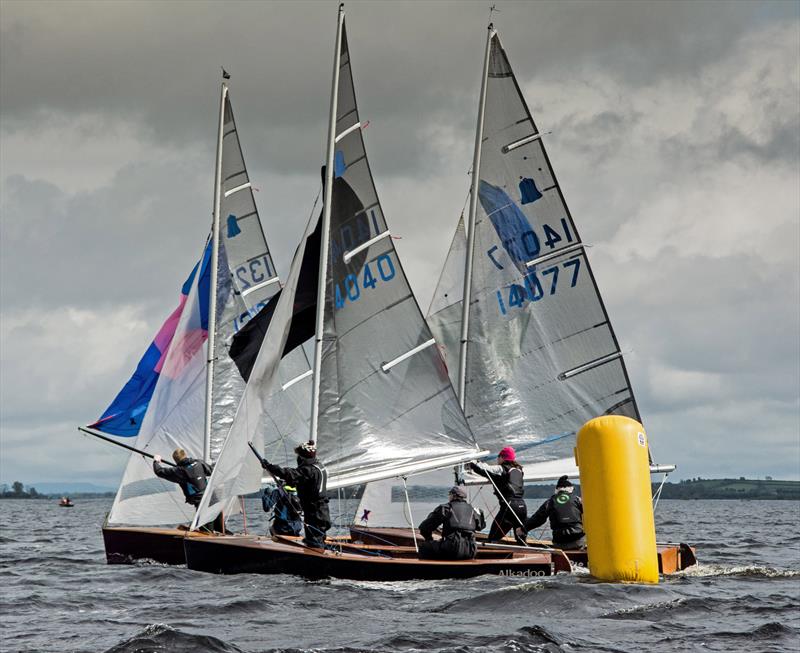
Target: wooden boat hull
point(230, 554)
point(671, 557)
point(127, 544)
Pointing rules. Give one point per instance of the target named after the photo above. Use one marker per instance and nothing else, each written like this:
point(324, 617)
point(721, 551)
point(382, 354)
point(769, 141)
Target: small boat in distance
point(66, 502)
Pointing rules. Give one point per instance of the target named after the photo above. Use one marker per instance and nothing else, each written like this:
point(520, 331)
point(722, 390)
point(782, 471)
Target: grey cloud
point(731, 318)
point(157, 62)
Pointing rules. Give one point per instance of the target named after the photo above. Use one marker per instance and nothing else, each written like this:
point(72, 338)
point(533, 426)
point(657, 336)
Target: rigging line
point(341, 510)
point(657, 494)
point(377, 537)
point(408, 504)
point(516, 516)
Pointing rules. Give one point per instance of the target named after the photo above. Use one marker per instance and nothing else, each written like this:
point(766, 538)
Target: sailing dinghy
point(186, 388)
point(382, 402)
point(532, 353)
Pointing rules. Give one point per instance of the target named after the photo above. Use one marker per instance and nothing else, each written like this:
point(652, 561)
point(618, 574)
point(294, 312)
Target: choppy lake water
point(59, 595)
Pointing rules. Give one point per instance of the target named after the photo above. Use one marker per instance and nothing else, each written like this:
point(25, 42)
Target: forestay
point(542, 357)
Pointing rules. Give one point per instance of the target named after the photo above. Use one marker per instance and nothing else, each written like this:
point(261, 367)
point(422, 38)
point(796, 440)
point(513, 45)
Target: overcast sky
point(676, 140)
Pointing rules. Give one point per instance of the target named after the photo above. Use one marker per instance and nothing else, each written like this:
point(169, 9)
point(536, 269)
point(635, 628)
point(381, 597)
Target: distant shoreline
point(690, 490)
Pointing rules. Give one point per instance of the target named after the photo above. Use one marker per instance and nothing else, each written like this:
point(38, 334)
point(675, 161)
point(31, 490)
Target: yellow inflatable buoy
point(612, 457)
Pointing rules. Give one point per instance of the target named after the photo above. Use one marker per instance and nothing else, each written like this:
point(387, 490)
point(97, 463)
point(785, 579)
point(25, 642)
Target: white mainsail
point(175, 417)
point(386, 405)
point(542, 357)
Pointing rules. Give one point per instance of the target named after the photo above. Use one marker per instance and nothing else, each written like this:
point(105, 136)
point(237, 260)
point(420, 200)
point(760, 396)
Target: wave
point(744, 571)
point(658, 609)
point(530, 639)
point(770, 630)
point(160, 637)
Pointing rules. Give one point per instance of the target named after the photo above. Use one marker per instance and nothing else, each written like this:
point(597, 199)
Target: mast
point(212, 304)
point(325, 229)
point(473, 209)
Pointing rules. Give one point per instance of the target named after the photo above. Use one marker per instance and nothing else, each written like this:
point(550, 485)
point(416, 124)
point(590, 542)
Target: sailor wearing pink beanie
point(506, 476)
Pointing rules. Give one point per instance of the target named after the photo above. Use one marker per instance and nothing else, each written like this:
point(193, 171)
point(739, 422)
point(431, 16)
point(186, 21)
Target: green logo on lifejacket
point(562, 497)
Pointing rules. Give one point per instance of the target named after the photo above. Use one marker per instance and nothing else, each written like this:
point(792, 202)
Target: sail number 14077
point(535, 287)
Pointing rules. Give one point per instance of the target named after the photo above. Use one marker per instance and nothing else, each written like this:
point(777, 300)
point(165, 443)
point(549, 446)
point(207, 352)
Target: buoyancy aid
point(511, 484)
point(196, 482)
point(566, 518)
point(462, 519)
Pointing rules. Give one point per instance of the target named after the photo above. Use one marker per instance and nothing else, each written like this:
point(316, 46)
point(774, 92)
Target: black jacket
point(310, 479)
point(507, 478)
point(190, 474)
point(565, 512)
point(456, 518)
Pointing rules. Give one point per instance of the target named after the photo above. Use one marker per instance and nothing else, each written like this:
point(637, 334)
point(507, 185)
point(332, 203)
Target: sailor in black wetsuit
point(190, 474)
point(507, 478)
point(565, 511)
point(310, 478)
point(459, 521)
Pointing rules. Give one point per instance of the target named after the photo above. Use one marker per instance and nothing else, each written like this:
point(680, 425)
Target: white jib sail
point(237, 470)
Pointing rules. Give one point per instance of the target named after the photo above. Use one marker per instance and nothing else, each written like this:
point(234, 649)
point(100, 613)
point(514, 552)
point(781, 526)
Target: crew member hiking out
point(565, 511)
point(309, 477)
point(287, 513)
point(190, 474)
point(507, 477)
point(459, 521)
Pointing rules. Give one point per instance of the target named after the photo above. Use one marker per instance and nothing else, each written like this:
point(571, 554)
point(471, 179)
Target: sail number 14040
point(350, 289)
point(535, 287)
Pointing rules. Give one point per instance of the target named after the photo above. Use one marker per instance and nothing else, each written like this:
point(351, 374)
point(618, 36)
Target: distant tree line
point(17, 491)
point(696, 488)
